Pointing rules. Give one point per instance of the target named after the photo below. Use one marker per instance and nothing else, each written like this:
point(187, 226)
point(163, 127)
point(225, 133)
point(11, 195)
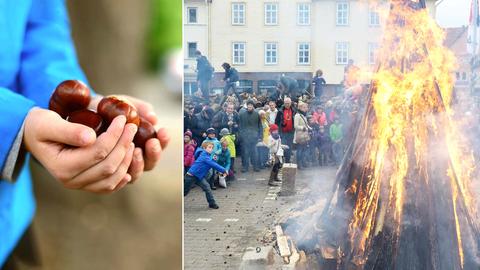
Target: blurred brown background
point(139, 227)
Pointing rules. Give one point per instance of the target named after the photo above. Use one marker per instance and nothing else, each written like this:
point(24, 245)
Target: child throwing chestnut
point(196, 174)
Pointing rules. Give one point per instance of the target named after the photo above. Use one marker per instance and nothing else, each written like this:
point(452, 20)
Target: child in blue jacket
point(199, 171)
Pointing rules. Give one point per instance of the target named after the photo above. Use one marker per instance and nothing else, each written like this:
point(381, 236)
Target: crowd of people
point(287, 125)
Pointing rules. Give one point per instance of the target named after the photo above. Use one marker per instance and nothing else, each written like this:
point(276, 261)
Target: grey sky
point(453, 13)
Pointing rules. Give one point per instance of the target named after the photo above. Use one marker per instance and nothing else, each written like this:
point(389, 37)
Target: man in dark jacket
point(204, 73)
point(231, 78)
point(201, 122)
point(227, 118)
point(188, 118)
point(250, 133)
point(286, 127)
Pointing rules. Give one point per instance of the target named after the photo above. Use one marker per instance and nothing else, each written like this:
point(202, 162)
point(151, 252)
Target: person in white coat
point(276, 153)
point(302, 134)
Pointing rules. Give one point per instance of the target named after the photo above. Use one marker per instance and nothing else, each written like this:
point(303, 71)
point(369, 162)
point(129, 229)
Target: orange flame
point(411, 101)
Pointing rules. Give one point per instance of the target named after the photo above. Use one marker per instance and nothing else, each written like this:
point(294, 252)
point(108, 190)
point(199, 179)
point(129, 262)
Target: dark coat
point(187, 121)
point(204, 69)
point(200, 125)
point(290, 85)
point(324, 142)
point(231, 75)
point(250, 126)
point(220, 121)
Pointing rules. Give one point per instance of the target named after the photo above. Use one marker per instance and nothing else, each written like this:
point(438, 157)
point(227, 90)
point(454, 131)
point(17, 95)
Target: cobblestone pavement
point(217, 239)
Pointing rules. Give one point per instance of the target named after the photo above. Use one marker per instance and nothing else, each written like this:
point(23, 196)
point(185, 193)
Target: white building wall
point(322, 34)
point(358, 33)
point(255, 33)
point(195, 32)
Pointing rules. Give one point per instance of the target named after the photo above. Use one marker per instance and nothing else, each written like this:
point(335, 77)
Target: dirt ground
point(137, 228)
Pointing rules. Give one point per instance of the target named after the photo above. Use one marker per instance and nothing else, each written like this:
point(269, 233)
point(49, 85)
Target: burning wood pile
point(402, 195)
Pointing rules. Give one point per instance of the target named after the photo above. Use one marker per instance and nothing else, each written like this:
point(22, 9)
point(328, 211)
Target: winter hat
point(224, 132)
point(188, 133)
point(273, 127)
point(210, 131)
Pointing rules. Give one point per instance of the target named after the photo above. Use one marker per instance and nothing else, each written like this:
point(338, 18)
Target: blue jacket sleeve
point(48, 54)
point(13, 110)
point(215, 165)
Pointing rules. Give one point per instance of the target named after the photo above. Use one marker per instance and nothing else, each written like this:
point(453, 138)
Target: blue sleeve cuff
point(15, 159)
point(13, 110)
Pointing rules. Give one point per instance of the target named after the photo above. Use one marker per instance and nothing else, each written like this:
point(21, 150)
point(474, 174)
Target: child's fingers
point(153, 152)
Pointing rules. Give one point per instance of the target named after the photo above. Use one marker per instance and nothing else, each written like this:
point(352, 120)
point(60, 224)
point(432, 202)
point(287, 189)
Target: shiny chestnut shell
point(145, 132)
point(89, 119)
point(111, 107)
point(69, 96)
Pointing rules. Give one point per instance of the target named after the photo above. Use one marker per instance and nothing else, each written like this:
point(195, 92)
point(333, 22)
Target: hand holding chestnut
point(71, 99)
point(87, 151)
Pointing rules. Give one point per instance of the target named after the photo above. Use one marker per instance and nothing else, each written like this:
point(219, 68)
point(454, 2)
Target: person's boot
point(271, 181)
point(276, 179)
point(213, 206)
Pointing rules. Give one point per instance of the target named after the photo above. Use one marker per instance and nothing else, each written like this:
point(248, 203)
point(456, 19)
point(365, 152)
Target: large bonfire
point(402, 197)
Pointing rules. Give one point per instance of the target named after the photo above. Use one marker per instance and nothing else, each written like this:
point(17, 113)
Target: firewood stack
point(401, 198)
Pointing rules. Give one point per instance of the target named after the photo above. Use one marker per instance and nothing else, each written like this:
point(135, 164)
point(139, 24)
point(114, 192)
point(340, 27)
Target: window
point(303, 54)
point(192, 15)
point(341, 53)
point(373, 17)
point(464, 76)
point(372, 51)
point(271, 53)
point(238, 13)
point(192, 48)
point(238, 53)
point(267, 86)
point(342, 13)
point(245, 86)
point(271, 14)
point(189, 88)
point(457, 75)
point(303, 14)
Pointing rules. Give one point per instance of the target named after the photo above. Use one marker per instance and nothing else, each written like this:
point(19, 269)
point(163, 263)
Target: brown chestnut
point(145, 132)
point(69, 96)
point(89, 119)
point(111, 107)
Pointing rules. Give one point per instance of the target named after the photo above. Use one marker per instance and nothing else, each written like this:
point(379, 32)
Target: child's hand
point(75, 157)
point(153, 147)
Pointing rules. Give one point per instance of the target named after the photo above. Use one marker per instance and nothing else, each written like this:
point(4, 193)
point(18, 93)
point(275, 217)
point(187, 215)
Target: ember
point(402, 195)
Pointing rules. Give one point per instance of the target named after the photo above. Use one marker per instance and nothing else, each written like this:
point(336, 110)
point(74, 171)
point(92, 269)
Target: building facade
point(196, 37)
point(265, 39)
point(456, 41)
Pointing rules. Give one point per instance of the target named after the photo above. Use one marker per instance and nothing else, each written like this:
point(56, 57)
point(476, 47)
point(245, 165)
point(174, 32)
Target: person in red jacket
point(188, 150)
point(320, 117)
